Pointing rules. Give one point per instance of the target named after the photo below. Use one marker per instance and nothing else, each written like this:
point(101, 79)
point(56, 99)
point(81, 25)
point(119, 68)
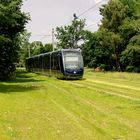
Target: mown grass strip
point(108, 112)
point(36, 107)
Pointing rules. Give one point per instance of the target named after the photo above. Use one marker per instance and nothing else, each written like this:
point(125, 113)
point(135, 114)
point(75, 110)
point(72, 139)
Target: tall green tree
point(70, 36)
point(48, 47)
point(35, 47)
point(94, 54)
point(38, 47)
point(130, 26)
point(130, 30)
point(131, 59)
point(113, 14)
point(12, 23)
point(24, 51)
point(115, 45)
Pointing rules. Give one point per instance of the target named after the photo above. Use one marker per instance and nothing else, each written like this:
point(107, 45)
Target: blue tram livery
point(63, 64)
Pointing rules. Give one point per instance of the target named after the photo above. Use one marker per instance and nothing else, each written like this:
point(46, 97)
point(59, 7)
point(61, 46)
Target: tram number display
point(71, 58)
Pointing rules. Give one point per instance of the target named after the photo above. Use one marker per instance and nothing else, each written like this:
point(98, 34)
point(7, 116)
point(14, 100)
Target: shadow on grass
point(21, 76)
point(21, 82)
point(9, 89)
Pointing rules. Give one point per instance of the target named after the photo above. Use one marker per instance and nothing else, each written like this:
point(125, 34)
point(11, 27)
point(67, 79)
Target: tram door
point(55, 64)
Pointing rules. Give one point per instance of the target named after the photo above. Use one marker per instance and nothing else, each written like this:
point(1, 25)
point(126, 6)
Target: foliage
point(130, 30)
point(24, 48)
point(70, 36)
point(94, 54)
point(28, 49)
point(131, 55)
point(12, 23)
point(113, 43)
point(113, 14)
point(48, 47)
point(115, 46)
point(120, 23)
point(37, 47)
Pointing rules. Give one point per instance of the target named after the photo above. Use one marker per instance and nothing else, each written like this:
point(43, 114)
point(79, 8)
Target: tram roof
point(60, 50)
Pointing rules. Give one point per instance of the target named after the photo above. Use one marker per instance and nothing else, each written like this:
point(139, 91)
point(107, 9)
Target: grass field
point(103, 106)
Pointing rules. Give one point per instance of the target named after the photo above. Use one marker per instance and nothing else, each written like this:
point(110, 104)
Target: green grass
point(103, 106)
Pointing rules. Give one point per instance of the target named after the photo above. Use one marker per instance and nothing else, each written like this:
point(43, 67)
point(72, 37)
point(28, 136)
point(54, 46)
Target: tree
point(48, 47)
point(40, 48)
point(130, 30)
point(35, 47)
point(131, 55)
point(130, 26)
point(94, 54)
point(69, 36)
point(12, 23)
point(121, 29)
point(113, 43)
point(113, 14)
point(24, 51)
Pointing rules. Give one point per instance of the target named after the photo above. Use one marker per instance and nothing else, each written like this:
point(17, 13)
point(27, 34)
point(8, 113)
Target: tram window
point(47, 61)
point(55, 61)
point(72, 60)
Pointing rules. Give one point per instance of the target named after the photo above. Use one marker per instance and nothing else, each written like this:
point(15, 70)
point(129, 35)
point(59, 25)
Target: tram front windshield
point(73, 60)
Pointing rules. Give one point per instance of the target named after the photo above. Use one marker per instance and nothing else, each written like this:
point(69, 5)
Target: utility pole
point(53, 38)
point(29, 47)
point(74, 39)
point(75, 17)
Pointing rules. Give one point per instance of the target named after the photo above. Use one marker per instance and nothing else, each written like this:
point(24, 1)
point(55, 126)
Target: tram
point(63, 64)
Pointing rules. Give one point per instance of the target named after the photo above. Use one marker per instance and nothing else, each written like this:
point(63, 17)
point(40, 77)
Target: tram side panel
point(55, 65)
point(47, 64)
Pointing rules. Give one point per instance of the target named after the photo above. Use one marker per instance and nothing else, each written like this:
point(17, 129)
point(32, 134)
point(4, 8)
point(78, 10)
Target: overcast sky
point(48, 14)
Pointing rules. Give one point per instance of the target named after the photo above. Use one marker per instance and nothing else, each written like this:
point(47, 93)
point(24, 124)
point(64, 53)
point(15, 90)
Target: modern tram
point(63, 64)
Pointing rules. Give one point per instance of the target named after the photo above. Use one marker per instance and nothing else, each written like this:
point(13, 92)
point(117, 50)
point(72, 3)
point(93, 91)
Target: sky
point(48, 14)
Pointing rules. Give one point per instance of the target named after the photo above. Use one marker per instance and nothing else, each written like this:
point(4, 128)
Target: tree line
point(114, 47)
point(116, 44)
point(28, 49)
